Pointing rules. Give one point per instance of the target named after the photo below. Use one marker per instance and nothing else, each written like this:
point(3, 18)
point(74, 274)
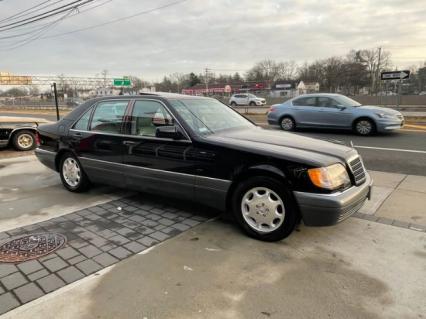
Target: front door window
point(147, 116)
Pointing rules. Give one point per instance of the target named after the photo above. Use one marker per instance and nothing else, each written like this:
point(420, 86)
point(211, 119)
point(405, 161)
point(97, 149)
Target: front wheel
point(72, 175)
point(364, 127)
point(264, 208)
point(233, 103)
point(252, 103)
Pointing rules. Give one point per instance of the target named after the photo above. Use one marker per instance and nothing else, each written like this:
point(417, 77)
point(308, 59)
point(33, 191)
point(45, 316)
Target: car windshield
point(206, 116)
point(346, 101)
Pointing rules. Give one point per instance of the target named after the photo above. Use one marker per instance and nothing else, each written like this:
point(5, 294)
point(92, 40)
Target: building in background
point(308, 87)
point(284, 89)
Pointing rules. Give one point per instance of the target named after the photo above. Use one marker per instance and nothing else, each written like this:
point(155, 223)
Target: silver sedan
point(333, 111)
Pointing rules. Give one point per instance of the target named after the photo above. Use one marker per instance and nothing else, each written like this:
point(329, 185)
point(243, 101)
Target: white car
point(246, 99)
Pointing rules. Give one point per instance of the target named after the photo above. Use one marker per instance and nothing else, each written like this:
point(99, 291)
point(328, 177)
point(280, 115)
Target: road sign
point(395, 75)
point(122, 82)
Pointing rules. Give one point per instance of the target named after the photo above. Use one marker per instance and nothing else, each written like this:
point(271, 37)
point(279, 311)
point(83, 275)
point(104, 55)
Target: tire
point(287, 124)
point(73, 178)
point(233, 103)
point(254, 217)
point(364, 127)
point(252, 103)
point(24, 140)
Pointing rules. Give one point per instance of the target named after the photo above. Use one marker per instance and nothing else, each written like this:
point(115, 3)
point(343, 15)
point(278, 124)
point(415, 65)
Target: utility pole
point(55, 92)
point(206, 79)
point(378, 86)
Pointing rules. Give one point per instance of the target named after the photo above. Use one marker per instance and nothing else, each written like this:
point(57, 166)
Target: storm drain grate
point(30, 247)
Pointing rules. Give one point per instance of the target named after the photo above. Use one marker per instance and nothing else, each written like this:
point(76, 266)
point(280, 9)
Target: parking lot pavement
point(212, 268)
point(358, 269)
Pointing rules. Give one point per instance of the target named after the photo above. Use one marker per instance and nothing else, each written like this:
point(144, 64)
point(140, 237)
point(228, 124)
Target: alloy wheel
point(25, 141)
point(364, 127)
point(287, 124)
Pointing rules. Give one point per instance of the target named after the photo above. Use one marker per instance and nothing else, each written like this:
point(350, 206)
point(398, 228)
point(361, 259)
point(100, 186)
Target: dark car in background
point(19, 132)
point(200, 149)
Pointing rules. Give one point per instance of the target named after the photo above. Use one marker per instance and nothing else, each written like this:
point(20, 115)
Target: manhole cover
point(30, 247)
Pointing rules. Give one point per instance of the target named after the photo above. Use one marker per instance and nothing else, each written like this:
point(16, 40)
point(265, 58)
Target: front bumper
point(330, 209)
point(386, 125)
point(46, 157)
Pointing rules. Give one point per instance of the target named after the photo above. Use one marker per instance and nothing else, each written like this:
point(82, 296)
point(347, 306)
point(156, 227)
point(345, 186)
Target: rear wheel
point(24, 140)
point(264, 208)
point(72, 175)
point(364, 127)
point(287, 123)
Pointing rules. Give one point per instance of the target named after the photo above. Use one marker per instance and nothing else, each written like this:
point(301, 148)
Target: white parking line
point(390, 149)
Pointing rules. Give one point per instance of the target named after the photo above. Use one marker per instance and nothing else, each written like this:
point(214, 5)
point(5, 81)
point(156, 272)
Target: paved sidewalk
point(398, 200)
point(356, 270)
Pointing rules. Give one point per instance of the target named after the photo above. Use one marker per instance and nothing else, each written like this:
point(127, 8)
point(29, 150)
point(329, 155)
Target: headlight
point(386, 116)
point(330, 177)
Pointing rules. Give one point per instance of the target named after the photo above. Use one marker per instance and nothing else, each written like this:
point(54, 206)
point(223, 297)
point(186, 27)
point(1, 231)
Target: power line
point(18, 35)
point(39, 33)
point(116, 20)
point(30, 10)
point(43, 15)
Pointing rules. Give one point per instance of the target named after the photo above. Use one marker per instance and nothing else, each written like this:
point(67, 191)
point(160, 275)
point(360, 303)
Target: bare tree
point(375, 61)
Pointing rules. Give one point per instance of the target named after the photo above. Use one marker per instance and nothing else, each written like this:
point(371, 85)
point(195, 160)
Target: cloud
point(219, 34)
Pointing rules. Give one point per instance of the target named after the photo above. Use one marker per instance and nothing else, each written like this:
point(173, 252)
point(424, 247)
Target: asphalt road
point(400, 152)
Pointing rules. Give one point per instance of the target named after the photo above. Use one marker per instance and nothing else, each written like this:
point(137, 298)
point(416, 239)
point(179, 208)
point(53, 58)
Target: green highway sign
point(122, 82)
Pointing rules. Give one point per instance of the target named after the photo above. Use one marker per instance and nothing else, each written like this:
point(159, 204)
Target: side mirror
point(168, 132)
point(340, 107)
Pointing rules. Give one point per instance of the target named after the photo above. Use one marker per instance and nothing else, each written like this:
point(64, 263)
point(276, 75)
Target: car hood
point(378, 109)
point(17, 119)
point(285, 145)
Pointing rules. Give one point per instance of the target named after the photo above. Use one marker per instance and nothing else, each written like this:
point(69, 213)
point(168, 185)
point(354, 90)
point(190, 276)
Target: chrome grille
point(358, 171)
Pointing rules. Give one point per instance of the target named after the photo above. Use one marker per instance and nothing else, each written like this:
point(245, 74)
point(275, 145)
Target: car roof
point(166, 95)
point(77, 112)
point(318, 94)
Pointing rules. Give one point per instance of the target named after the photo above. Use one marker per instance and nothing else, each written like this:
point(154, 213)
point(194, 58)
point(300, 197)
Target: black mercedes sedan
point(200, 149)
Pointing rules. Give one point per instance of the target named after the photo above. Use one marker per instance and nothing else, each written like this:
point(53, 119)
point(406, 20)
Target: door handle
point(129, 143)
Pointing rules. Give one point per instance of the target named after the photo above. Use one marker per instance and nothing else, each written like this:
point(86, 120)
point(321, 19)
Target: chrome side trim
point(39, 150)
point(152, 169)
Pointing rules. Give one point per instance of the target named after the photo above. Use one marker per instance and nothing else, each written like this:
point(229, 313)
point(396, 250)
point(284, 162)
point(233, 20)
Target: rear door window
point(305, 101)
point(108, 116)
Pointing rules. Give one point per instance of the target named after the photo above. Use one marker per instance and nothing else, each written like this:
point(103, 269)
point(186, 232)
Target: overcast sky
point(224, 35)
